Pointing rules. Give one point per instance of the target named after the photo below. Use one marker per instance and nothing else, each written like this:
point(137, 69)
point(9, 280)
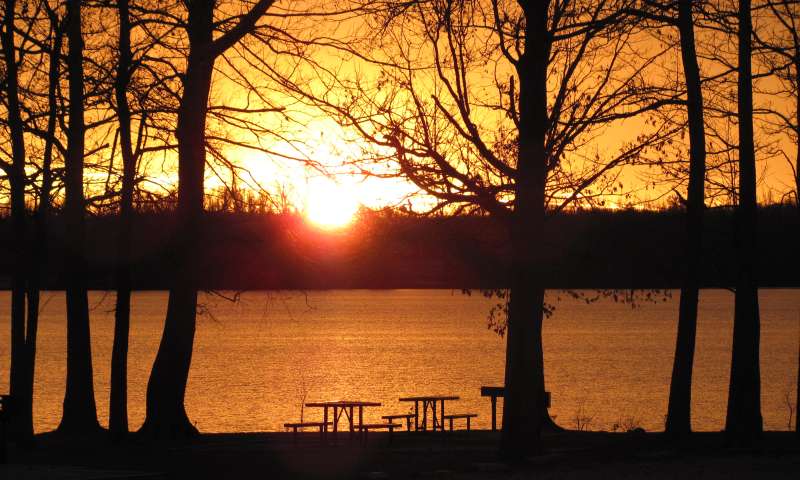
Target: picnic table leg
point(494, 413)
point(433, 415)
point(360, 415)
point(351, 421)
point(335, 421)
point(416, 415)
point(424, 415)
point(325, 423)
point(441, 424)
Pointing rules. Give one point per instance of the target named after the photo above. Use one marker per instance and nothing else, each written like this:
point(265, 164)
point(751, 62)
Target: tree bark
point(118, 402)
point(744, 424)
point(680, 393)
point(166, 389)
point(80, 413)
point(525, 409)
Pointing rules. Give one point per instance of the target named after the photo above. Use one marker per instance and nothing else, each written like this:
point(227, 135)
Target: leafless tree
point(678, 15)
point(777, 42)
point(166, 414)
point(15, 171)
point(743, 422)
point(118, 403)
point(518, 147)
point(80, 412)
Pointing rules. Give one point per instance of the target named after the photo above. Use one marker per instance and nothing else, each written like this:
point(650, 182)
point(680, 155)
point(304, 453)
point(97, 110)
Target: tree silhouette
point(777, 41)
point(118, 403)
point(514, 147)
point(166, 413)
point(49, 42)
point(15, 170)
point(680, 396)
point(743, 422)
point(80, 412)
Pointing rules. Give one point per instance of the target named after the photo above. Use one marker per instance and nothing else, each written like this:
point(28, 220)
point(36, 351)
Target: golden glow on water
point(255, 361)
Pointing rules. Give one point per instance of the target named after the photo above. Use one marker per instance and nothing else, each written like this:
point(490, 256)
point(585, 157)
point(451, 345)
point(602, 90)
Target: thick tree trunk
point(22, 426)
point(118, 403)
point(744, 423)
point(80, 413)
point(680, 393)
point(166, 414)
point(524, 409)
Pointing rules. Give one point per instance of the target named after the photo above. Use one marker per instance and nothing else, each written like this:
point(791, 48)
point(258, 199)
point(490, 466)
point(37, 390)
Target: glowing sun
point(329, 205)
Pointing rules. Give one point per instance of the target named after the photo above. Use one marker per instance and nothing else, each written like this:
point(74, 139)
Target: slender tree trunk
point(680, 393)
point(23, 426)
point(166, 413)
point(118, 404)
point(744, 424)
point(80, 413)
point(38, 251)
point(797, 205)
point(524, 409)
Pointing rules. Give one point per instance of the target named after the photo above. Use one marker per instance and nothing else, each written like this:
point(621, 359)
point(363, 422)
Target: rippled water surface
point(257, 359)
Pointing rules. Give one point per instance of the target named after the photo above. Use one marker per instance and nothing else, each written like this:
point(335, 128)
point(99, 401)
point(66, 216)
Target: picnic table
point(429, 401)
point(495, 392)
point(346, 407)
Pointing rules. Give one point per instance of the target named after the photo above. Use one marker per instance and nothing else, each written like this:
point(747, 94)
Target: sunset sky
point(330, 192)
point(306, 155)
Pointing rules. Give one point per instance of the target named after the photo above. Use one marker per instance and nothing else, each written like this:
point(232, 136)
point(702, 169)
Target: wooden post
point(441, 424)
point(325, 421)
point(494, 413)
point(351, 419)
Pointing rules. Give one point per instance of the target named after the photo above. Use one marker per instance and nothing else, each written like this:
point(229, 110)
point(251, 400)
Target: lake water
point(257, 359)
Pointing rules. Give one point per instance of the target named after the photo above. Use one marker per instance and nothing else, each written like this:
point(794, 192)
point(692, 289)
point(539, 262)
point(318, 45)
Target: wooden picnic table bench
point(366, 427)
point(495, 392)
point(429, 401)
point(406, 416)
point(458, 416)
point(342, 407)
point(298, 425)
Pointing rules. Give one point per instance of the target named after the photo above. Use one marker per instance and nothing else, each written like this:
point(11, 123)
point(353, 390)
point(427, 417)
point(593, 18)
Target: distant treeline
point(593, 249)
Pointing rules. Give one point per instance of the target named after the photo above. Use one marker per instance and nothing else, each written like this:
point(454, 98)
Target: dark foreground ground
point(422, 456)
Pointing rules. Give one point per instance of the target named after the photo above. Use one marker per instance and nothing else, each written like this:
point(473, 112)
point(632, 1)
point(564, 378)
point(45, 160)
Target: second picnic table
point(429, 401)
point(346, 407)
